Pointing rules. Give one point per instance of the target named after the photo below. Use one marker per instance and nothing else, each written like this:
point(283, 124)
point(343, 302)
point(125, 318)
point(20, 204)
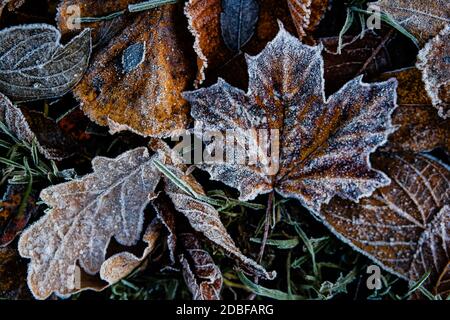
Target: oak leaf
point(135, 82)
point(434, 62)
point(85, 214)
point(419, 128)
point(324, 144)
point(124, 263)
point(404, 226)
point(34, 65)
point(422, 18)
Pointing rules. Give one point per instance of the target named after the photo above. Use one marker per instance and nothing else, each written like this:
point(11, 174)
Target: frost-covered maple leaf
point(324, 144)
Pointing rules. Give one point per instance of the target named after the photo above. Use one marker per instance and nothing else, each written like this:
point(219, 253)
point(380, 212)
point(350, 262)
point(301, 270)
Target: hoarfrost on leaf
point(84, 215)
point(324, 143)
point(434, 62)
point(34, 65)
point(404, 226)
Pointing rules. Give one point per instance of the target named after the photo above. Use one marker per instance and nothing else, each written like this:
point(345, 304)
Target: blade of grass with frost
point(347, 24)
point(389, 20)
point(265, 292)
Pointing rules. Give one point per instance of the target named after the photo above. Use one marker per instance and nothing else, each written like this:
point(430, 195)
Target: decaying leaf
point(307, 14)
point(85, 214)
point(204, 18)
point(443, 283)
point(34, 65)
point(238, 20)
point(201, 274)
point(422, 18)
point(32, 126)
point(16, 209)
point(404, 226)
point(324, 145)
point(122, 264)
point(434, 62)
point(13, 273)
point(419, 126)
point(140, 93)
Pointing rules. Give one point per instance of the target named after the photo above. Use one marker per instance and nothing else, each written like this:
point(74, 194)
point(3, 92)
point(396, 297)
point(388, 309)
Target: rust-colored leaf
point(16, 209)
point(135, 82)
point(307, 14)
point(422, 18)
point(86, 213)
point(419, 126)
point(13, 274)
point(404, 226)
point(434, 62)
point(324, 144)
point(33, 126)
point(201, 274)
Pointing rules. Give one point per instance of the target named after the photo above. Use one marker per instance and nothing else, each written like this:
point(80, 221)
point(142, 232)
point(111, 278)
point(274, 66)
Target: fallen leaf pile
point(97, 191)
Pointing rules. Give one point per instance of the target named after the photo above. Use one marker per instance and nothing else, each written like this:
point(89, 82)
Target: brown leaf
point(135, 82)
point(13, 274)
point(422, 18)
point(434, 62)
point(167, 216)
point(307, 14)
point(404, 226)
point(324, 144)
point(85, 214)
point(32, 126)
point(122, 264)
point(15, 212)
point(419, 126)
point(212, 53)
point(201, 274)
point(443, 283)
point(367, 56)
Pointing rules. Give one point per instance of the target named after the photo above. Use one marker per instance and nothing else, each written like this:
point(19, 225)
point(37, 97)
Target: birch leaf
point(201, 274)
point(422, 18)
point(238, 20)
point(32, 126)
point(434, 62)
point(307, 14)
point(419, 126)
point(324, 144)
point(34, 65)
point(144, 96)
point(404, 226)
point(85, 214)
